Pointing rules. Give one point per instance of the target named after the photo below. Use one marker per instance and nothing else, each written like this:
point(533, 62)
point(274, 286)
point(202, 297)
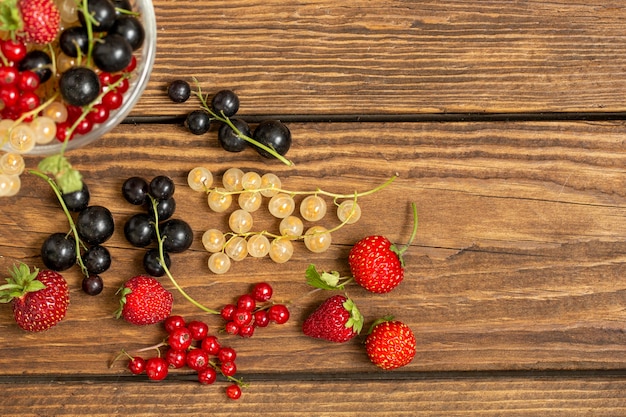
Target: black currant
point(226, 102)
point(165, 208)
point(131, 29)
point(97, 259)
point(139, 230)
point(161, 187)
point(274, 134)
point(102, 12)
point(39, 62)
point(198, 122)
point(229, 140)
point(77, 200)
point(92, 284)
point(95, 224)
point(112, 53)
point(177, 235)
point(152, 262)
point(179, 91)
point(120, 6)
point(135, 190)
point(74, 40)
point(58, 252)
point(79, 86)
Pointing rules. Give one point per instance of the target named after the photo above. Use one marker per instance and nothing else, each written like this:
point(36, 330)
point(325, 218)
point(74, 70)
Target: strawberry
point(377, 264)
point(40, 298)
point(37, 21)
point(337, 320)
point(390, 344)
point(144, 301)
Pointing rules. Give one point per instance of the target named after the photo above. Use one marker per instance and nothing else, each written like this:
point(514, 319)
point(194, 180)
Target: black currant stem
point(57, 192)
point(89, 20)
point(224, 119)
point(160, 240)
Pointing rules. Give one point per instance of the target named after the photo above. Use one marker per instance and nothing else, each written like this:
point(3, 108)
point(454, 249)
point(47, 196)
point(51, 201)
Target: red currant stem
point(228, 377)
point(160, 240)
point(57, 192)
point(224, 119)
point(400, 251)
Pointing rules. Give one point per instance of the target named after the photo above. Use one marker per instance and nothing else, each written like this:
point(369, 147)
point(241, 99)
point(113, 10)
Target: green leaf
point(10, 19)
point(67, 178)
point(324, 280)
point(70, 181)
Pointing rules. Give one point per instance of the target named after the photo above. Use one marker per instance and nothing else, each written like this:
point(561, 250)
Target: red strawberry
point(40, 20)
point(39, 298)
point(144, 301)
point(390, 344)
point(337, 320)
point(376, 264)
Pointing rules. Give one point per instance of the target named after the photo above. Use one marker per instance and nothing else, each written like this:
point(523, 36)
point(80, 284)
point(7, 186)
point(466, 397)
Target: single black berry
point(77, 200)
point(102, 12)
point(179, 91)
point(58, 252)
point(131, 29)
point(229, 140)
point(161, 187)
point(177, 235)
point(112, 53)
point(139, 230)
point(165, 208)
point(95, 225)
point(39, 62)
point(198, 122)
point(225, 102)
point(97, 259)
point(152, 262)
point(74, 40)
point(92, 284)
point(135, 190)
point(79, 86)
point(274, 134)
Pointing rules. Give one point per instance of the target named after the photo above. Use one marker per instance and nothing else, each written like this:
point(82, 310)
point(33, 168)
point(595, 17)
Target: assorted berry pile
point(251, 190)
point(188, 345)
point(270, 138)
point(65, 66)
point(157, 198)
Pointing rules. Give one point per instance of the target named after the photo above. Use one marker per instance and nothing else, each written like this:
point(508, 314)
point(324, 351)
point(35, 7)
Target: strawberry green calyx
point(400, 250)
point(325, 280)
point(378, 321)
point(21, 282)
point(356, 318)
point(122, 292)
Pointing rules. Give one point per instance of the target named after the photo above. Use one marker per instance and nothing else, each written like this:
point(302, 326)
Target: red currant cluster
point(189, 345)
point(253, 310)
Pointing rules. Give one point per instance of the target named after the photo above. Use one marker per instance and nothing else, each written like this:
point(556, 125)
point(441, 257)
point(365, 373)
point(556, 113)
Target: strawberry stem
point(400, 250)
point(160, 240)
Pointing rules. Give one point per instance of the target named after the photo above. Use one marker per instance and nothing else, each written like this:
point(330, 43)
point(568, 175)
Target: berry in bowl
point(70, 71)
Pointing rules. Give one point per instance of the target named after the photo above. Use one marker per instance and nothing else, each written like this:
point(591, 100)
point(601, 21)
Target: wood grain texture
point(398, 57)
point(518, 264)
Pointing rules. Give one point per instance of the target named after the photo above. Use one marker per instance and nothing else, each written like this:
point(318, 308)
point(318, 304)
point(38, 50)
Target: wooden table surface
point(504, 122)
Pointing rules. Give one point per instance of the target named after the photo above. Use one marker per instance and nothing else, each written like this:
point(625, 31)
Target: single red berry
point(228, 368)
point(180, 339)
point(261, 318)
point(174, 322)
point(98, 114)
point(123, 86)
point(262, 292)
point(242, 317)
point(227, 311)
point(210, 345)
point(156, 369)
point(198, 329)
point(246, 331)
point(278, 313)
point(207, 376)
point(113, 100)
point(233, 391)
point(8, 75)
point(144, 301)
point(231, 328)
point(391, 344)
point(226, 354)
point(63, 129)
point(246, 302)
point(176, 358)
point(132, 65)
point(197, 359)
point(13, 50)
point(337, 320)
point(9, 95)
point(84, 126)
point(137, 365)
point(28, 81)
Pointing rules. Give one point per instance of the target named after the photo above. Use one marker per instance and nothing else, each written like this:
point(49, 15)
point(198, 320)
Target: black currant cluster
point(157, 198)
point(271, 138)
point(92, 227)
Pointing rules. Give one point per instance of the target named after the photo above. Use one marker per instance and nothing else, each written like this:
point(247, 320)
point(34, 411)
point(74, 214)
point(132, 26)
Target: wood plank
point(477, 397)
point(396, 57)
point(518, 264)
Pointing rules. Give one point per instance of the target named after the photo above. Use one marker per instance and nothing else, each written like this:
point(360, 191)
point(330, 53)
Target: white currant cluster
point(251, 189)
point(11, 167)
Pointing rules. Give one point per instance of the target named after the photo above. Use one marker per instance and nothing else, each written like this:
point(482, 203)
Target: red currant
point(14, 51)
point(246, 331)
point(156, 369)
point(9, 94)
point(176, 358)
point(233, 391)
point(207, 376)
point(180, 338)
point(231, 328)
point(246, 302)
point(113, 100)
point(63, 132)
point(198, 329)
point(242, 317)
point(123, 86)
point(262, 291)
point(226, 354)
point(137, 365)
point(197, 359)
point(278, 313)
point(98, 114)
point(174, 322)
point(227, 311)
point(28, 81)
point(84, 126)
point(8, 75)
point(261, 318)
point(228, 368)
point(210, 345)
point(132, 65)
point(28, 101)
